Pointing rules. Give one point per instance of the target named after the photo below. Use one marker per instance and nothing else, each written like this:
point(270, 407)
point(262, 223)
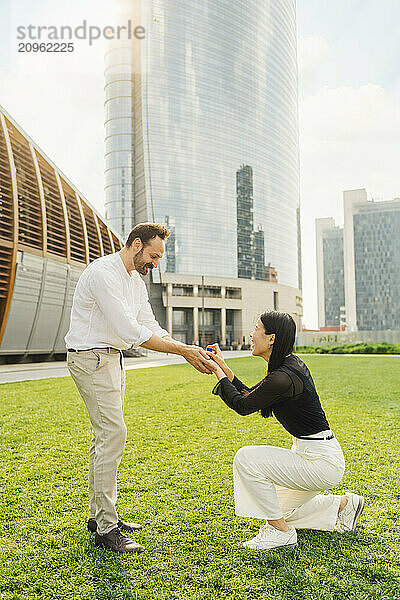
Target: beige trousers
point(271, 483)
point(99, 375)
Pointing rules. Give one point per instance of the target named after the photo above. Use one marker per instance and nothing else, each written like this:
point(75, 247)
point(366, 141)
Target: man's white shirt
point(111, 308)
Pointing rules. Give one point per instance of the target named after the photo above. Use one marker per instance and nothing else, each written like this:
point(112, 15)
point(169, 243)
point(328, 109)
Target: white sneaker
point(348, 517)
point(268, 538)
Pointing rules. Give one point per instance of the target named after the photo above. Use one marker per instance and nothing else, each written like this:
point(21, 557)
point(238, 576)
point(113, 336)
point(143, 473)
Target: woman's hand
point(216, 356)
point(216, 369)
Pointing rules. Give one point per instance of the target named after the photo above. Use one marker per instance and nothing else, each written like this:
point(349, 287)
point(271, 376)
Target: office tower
point(350, 198)
point(245, 222)
point(364, 259)
point(171, 250)
point(260, 269)
point(211, 87)
point(250, 243)
point(376, 230)
point(48, 234)
point(330, 272)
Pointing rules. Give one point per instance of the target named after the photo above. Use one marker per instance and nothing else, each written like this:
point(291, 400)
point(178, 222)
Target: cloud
point(350, 134)
point(346, 114)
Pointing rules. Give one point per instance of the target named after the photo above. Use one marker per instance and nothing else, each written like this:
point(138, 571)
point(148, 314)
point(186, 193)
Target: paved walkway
point(45, 370)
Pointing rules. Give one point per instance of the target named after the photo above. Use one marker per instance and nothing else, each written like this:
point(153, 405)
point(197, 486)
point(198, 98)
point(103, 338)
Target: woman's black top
point(288, 392)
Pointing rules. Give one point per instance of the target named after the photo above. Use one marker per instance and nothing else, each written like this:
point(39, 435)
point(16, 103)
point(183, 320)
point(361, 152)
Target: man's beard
point(140, 265)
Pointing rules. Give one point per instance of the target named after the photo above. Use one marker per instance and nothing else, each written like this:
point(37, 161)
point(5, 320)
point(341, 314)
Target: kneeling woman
point(277, 484)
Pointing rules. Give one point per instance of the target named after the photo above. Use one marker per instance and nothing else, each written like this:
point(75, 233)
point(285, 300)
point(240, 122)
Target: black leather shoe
point(118, 542)
point(92, 525)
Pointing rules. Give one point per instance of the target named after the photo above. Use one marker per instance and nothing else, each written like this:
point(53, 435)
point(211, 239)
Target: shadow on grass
point(351, 563)
point(323, 566)
point(111, 573)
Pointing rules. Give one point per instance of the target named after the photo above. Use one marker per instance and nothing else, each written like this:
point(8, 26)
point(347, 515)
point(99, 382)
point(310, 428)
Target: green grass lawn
point(176, 478)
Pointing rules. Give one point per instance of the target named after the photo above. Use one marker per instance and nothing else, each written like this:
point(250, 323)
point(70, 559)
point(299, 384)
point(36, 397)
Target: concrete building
point(350, 199)
point(364, 259)
point(330, 272)
point(207, 309)
point(202, 133)
point(48, 234)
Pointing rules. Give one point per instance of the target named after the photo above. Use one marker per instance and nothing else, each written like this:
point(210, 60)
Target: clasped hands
point(206, 362)
point(217, 363)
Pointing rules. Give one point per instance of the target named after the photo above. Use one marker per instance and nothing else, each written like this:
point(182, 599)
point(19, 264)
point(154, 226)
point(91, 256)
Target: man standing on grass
point(110, 313)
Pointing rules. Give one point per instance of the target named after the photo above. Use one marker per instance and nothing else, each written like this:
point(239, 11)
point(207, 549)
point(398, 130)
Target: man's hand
point(195, 355)
point(198, 358)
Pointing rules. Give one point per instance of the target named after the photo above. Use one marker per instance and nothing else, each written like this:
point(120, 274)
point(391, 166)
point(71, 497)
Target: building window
point(233, 293)
point(182, 290)
point(209, 317)
point(209, 291)
point(178, 317)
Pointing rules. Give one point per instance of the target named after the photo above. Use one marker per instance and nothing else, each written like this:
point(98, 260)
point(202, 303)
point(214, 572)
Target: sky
point(349, 103)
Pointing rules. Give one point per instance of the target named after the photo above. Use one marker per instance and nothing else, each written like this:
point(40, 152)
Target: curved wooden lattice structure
point(48, 234)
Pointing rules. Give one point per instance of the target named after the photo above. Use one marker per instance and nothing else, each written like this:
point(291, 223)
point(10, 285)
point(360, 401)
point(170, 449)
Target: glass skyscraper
point(333, 275)
point(330, 272)
point(212, 87)
point(377, 265)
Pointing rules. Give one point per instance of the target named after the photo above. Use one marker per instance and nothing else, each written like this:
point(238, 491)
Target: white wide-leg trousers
point(271, 483)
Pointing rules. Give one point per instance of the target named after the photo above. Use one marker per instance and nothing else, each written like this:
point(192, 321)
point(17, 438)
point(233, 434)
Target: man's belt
point(87, 349)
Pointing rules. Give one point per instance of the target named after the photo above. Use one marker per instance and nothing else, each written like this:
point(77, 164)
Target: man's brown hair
point(146, 232)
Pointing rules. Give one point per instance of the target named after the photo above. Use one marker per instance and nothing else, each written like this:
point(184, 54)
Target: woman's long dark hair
point(284, 328)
